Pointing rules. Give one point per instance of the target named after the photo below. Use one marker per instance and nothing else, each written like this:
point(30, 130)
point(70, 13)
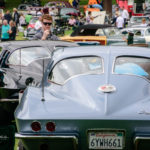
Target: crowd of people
point(10, 22)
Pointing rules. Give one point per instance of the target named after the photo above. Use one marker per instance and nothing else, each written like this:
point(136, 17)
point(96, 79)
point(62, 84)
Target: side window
point(3, 59)
point(99, 32)
point(27, 55)
point(138, 33)
point(147, 32)
point(14, 58)
point(72, 67)
point(133, 66)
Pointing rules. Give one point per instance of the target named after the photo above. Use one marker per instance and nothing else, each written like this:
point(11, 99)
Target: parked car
point(94, 97)
point(21, 64)
point(23, 8)
point(147, 11)
point(30, 31)
point(22, 60)
point(105, 34)
point(58, 4)
point(32, 2)
point(140, 32)
point(137, 20)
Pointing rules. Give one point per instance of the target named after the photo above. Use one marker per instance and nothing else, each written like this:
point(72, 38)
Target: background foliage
point(14, 3)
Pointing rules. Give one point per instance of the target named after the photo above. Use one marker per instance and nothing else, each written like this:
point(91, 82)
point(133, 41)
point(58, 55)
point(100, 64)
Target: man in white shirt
point(38, 24)
point(120, 22)
point(125, 15)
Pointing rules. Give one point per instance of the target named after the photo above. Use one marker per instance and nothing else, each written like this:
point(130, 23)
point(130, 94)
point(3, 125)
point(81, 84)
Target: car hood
point(80, 98)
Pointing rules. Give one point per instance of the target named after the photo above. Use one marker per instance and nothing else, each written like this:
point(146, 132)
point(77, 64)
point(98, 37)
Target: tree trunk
point(108, 6)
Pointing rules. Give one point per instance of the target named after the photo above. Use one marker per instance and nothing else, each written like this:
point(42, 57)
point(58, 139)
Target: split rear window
point(133, 66)
point(69, 68)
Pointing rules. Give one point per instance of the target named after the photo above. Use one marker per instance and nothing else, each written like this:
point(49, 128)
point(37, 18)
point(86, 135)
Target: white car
point(143, 32)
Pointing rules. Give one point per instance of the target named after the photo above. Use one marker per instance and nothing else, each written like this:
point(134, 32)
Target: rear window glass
point(133, 66)
point(71, 67)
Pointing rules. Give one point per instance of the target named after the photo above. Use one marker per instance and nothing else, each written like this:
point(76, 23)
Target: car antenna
point(43, 99)
point(20, 74)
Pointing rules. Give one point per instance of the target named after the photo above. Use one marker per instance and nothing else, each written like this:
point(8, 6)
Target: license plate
point(106, 140)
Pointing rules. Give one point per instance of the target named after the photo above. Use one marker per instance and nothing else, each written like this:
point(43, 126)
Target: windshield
point(139, 19)
point(111, 32)
point(33, 20)
point(65, 11)
point(27, 55)
point(133, 66)
point(71, 67)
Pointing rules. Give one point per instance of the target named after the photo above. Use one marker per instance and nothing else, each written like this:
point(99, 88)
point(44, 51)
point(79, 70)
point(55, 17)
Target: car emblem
point(107, 88)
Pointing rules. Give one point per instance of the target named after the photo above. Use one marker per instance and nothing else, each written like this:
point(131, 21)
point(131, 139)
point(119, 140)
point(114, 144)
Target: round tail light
point(50, 126)
point(36, 126)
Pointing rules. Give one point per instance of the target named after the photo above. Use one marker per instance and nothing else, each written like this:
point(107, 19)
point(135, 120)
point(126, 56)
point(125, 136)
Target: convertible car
point(104, 34)
point(21, 63)
point(92, 97)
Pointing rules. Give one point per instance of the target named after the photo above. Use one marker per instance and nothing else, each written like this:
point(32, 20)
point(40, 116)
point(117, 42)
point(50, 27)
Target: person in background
point(28, 17)
point(7, 16)
point(38, 24)
point(15, 16)
point(40, 12)
point(45, 32)
point(72, 22)
point(89, 18)
point(1, 22)
point(125, 15)
point(22, 21)
point(5, 31)
point(80, 20)
point(13, 30)
point(144, 24)
point(75, 3)
point(116, 14)
point(119, 22)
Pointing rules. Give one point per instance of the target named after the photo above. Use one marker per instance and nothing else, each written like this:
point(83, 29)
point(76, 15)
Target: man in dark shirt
point(45, 32)
point(8, 16)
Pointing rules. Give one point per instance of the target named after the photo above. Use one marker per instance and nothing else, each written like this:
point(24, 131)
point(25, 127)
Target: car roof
point(90, 26)
point(98, 50)
point(95, 26)
point(140, 17)
point(12, 45)
point(136, 27)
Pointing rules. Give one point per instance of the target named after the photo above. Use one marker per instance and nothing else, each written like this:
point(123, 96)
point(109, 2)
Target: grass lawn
point(16, 144)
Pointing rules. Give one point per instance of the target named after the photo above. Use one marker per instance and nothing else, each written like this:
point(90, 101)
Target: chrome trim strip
point(9, 100)
point(137, 138)
point(74, 138)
